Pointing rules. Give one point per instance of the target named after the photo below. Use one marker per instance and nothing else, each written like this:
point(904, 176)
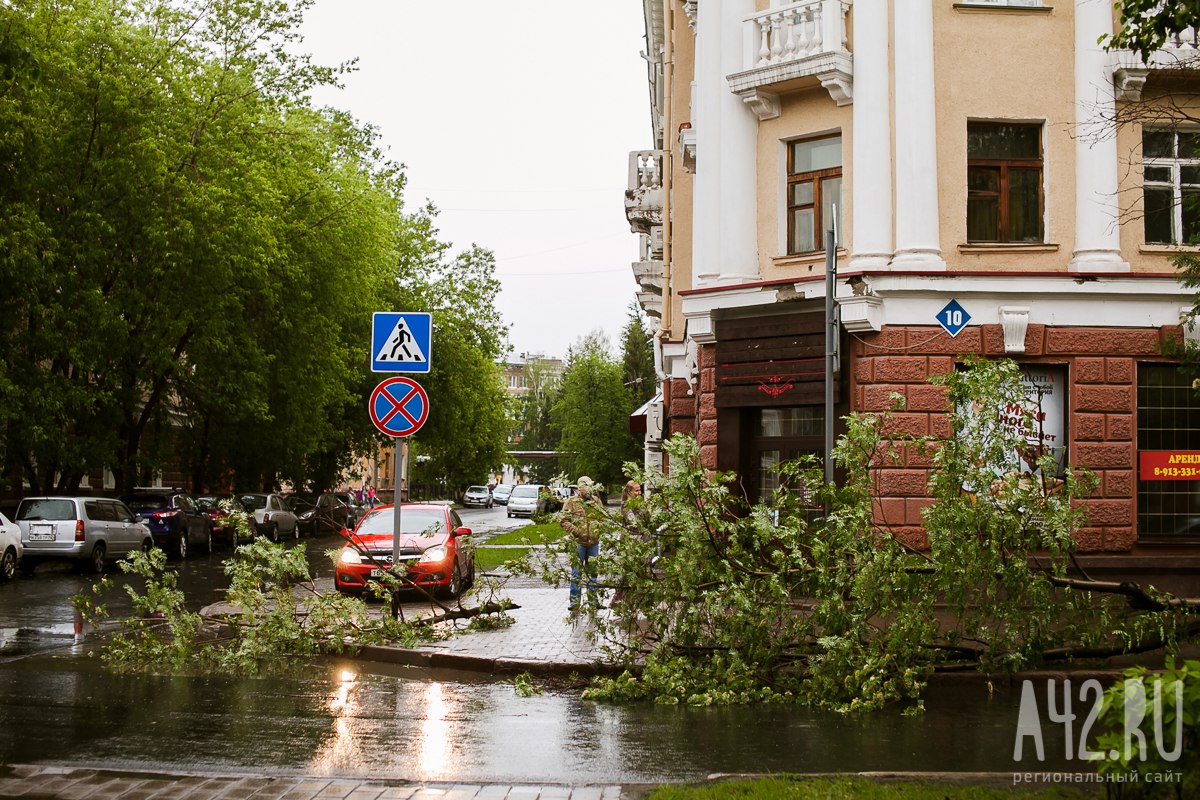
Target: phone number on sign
point(1177, 472)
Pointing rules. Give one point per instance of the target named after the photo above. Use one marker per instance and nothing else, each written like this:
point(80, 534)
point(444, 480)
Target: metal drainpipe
point(664, 327)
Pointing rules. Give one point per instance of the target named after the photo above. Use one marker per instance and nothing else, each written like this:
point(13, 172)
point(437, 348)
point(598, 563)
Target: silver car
point(273, 517)
point(10, 548)
point(526, 500)
point(88, 530)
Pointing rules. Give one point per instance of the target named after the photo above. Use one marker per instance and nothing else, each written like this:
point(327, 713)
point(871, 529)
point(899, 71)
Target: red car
point(435, 551)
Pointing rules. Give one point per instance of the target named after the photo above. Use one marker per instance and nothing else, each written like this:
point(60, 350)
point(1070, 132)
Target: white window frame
point(1175, 164)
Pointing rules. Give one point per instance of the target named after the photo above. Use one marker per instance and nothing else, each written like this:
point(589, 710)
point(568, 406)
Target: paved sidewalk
point(90, 784)
point(543, 639)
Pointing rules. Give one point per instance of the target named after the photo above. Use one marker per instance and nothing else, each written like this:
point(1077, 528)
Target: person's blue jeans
point(586, 553)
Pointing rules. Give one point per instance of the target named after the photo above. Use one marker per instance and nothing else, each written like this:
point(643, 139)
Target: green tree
point(1145, 25)
point(593, 413)
point(536, 418)
point(184, 235)
point(637, 357)
point(465, 435)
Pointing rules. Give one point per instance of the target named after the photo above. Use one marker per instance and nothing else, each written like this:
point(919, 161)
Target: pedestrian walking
point(582, 518)
point(631, 491)
point(371, 496)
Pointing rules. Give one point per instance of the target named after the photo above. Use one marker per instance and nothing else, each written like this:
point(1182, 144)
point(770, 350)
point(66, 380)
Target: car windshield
point(429, 521)
point(476, 489)
point(46, 509)
point(253, 502)
point(302, 502)
point(525, 490)
point(145, 502)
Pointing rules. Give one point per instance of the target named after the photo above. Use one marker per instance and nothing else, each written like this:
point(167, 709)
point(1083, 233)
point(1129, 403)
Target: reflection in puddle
point(340, 751)
point(435, 733)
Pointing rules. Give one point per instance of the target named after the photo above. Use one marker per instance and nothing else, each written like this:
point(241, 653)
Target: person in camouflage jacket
point(582, 518)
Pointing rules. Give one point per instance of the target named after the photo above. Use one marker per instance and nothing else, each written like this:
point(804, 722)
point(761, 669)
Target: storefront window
point(1168, 442)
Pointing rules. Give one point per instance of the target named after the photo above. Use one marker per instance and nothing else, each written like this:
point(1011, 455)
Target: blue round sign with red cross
point(399, 406)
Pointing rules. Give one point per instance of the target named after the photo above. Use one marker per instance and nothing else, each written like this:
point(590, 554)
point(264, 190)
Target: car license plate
point(375, 573)
point(41, 533)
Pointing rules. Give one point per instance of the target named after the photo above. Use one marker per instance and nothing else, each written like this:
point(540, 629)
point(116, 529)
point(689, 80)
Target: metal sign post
point(831, 348)
point(401, 341)
point(399, 445)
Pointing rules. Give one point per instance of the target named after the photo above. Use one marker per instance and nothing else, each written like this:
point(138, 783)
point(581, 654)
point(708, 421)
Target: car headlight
point(306, 515)
point(350, 556)
point(435, 553)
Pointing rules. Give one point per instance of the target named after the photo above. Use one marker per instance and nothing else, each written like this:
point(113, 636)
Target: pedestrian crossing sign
point(400, 341)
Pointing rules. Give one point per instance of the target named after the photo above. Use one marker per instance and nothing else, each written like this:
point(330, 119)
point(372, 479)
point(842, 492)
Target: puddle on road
point(347, 718)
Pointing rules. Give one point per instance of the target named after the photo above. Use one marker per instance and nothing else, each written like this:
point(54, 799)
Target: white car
point(10, 548)
point(273, 518)
point(87, 530)
point(477, 496)
point(526, 500)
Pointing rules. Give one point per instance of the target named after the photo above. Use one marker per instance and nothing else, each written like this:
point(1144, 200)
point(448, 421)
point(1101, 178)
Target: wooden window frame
point(815, 177)
point(1005, 166)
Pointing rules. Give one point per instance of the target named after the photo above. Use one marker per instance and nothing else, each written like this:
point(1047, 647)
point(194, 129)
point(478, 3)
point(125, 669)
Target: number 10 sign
point(953, 317)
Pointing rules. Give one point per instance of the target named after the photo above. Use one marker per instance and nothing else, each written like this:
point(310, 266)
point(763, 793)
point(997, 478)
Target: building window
point(1171, 184)
point(1004, 182)
point(814, 192)
point(778, 435)
point(1009, 3)
point(1168, 440)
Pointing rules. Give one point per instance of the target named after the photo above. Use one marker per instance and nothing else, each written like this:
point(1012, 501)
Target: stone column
point(871, 140)
point(1097, 234)
point(918, 242)
point(724, 242)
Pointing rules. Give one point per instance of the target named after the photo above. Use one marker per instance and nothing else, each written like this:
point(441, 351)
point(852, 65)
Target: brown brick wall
point(1101, 365)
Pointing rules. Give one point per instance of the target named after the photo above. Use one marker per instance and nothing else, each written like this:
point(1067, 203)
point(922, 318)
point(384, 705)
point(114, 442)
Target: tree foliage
point(637, 357)
point(536, 426)
point(792, 603)
point(191, 249)
point(593, 413)
point(1146, 25)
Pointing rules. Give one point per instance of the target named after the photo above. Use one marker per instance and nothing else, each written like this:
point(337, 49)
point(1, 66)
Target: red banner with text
point(1169, 465)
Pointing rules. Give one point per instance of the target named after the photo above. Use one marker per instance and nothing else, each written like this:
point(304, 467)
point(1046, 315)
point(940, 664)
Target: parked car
point(325, 513)
point(174, 519)
point(219, 525)
point(273, 518)
point(477, 496)
point(87, 530)
point(435, 553)
point(349, 499)
point(501, 492)
point(10, 548)
point(526, 500)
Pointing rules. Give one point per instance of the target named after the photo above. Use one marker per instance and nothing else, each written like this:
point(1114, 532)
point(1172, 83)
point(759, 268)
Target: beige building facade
point(999, 185)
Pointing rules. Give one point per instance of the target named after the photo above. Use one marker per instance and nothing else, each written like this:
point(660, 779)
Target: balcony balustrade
point(644, 197)
point(1180, 52)
point(792, 46)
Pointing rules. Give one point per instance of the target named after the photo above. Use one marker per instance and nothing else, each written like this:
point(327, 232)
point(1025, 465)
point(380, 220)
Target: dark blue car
point(176, 523)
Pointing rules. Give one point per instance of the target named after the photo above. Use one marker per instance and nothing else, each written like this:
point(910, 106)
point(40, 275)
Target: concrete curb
point(430, 659)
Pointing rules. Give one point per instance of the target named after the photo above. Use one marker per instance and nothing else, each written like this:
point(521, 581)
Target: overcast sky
point(516, 119)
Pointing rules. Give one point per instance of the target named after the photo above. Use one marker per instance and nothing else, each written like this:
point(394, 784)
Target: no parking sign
point(399, 406)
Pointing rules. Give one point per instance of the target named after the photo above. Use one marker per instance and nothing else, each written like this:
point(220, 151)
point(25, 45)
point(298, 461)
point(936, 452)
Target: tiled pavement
point(33, 782)
point(543, 638)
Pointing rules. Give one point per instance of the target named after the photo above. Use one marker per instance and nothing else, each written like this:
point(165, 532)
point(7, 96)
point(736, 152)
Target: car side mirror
point(461, 532)
point(345, 533)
